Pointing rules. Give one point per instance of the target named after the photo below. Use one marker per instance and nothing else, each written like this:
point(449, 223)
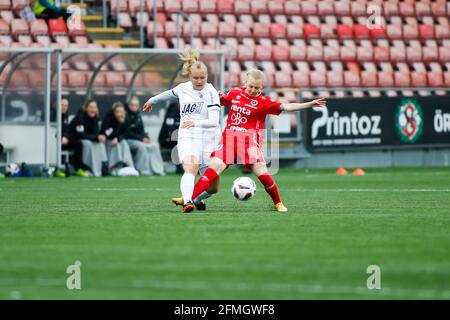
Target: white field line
point(292, 288)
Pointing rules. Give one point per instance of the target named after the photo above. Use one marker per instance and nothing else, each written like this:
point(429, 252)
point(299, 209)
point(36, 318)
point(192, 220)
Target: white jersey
point(194, 105)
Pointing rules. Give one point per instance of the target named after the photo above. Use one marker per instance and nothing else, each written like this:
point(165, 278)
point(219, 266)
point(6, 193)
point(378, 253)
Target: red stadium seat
point(344, 31)
point(224, 6)
point(294, 31)
point(385, 79)
point(152, 79)
point(423, 9)
point(123, 6)
point(297, 53)
point(226, 29)
point(5, 5)
point(38, 27)
point(7, 15)
point(77, 79)
point(263, 53)
point(318, 79)
point(325, 8)
point(364, 54)
point(447, 79)
point(314, 53)
point(406, 8)
point(335, 79)
point(430, 52)
point(4, 27)
point(245, 53)
point(341, 8)
point(241, 7)
point(261, 30)
point(300, 79)
point(19, 26)
point(351, 79)
point(20, 79)
point(444, 54)
point(418, 79)
point(283, 79)
point(277, 30)
point(292, 8)
point(207, 6)
point(413, 54)
point(78, 28)
point(57, 27)
point(438, 8)
point(280, 53)
point(381, 53)
point(442, 32)
point(394, 31)
point(390, 9)
point(435, 79)
point(208, 30)
point(159, 29)
point(258, 7)
point(402, 79)
point(397, 53)
point(378, 33)
point(275, 7)
point(331, 53)
point(347, 53)
point(125, 20)
point(410, 31)
point(115, 79)
point(18, 5)
point(309, 8)
point(426, 31)
point(369, 79)
point(311, 30)
point(159, 5)
point(243, 30)
point(361, 31)
point(190, 6)
point(172, 6)
point(358, 9)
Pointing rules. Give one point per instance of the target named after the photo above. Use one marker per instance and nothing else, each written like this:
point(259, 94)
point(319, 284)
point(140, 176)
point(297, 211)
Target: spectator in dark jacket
point(84, 127)
point(66, 142)
point(146, 154)
point(48, 9)
point(114, 128)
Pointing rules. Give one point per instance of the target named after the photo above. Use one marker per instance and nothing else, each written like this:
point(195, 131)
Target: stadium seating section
point(298, 44)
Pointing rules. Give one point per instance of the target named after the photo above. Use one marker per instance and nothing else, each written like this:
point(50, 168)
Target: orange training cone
point(358, 172)
point(341, 171)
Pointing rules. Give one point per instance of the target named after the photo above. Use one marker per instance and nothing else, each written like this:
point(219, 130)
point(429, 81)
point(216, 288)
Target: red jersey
point(248, 113)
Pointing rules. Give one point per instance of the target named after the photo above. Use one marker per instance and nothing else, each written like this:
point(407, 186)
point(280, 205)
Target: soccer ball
point(243, 188)
point(12, 169)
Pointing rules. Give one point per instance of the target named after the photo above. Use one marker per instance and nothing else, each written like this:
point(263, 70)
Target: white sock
point(187, 186)
point(202, 196)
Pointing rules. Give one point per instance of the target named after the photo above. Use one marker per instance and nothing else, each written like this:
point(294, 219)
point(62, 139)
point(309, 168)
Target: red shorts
point(239, 148)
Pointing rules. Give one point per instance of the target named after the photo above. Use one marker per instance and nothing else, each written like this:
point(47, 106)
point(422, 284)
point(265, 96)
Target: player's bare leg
point(260, 169)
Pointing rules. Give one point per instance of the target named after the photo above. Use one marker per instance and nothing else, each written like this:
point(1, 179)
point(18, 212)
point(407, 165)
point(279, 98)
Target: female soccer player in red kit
point(242, 138)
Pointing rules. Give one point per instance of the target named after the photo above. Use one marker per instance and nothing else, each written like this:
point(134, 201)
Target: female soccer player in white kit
point(199, 131)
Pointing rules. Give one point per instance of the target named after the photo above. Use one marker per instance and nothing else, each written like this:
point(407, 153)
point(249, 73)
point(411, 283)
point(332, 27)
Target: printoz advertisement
point(379, 123)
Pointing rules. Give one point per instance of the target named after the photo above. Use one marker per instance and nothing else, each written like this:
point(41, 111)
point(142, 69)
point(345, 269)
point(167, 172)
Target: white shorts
point(199, 147)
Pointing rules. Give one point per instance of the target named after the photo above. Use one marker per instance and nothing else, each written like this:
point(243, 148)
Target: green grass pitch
point(133, 243)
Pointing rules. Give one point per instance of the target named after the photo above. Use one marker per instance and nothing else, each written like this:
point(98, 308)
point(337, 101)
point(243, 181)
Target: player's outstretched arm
point(163, 96)
point(292, 107)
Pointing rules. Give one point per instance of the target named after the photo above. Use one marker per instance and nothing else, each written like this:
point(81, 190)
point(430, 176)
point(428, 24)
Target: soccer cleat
point(280, 207)
point(81, 173)
point(188, 207)
point(59, 173)
point(179, 202)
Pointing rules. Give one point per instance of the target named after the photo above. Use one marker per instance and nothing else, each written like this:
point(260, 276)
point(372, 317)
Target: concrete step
point(105, 33)
point(92, 21)
point(121, 42)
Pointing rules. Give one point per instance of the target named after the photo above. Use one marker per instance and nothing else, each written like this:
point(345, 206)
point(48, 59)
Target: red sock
point(270, 186)
point(203, 183)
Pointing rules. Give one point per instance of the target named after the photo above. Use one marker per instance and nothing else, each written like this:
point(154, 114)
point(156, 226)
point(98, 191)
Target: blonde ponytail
point(191, 58)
